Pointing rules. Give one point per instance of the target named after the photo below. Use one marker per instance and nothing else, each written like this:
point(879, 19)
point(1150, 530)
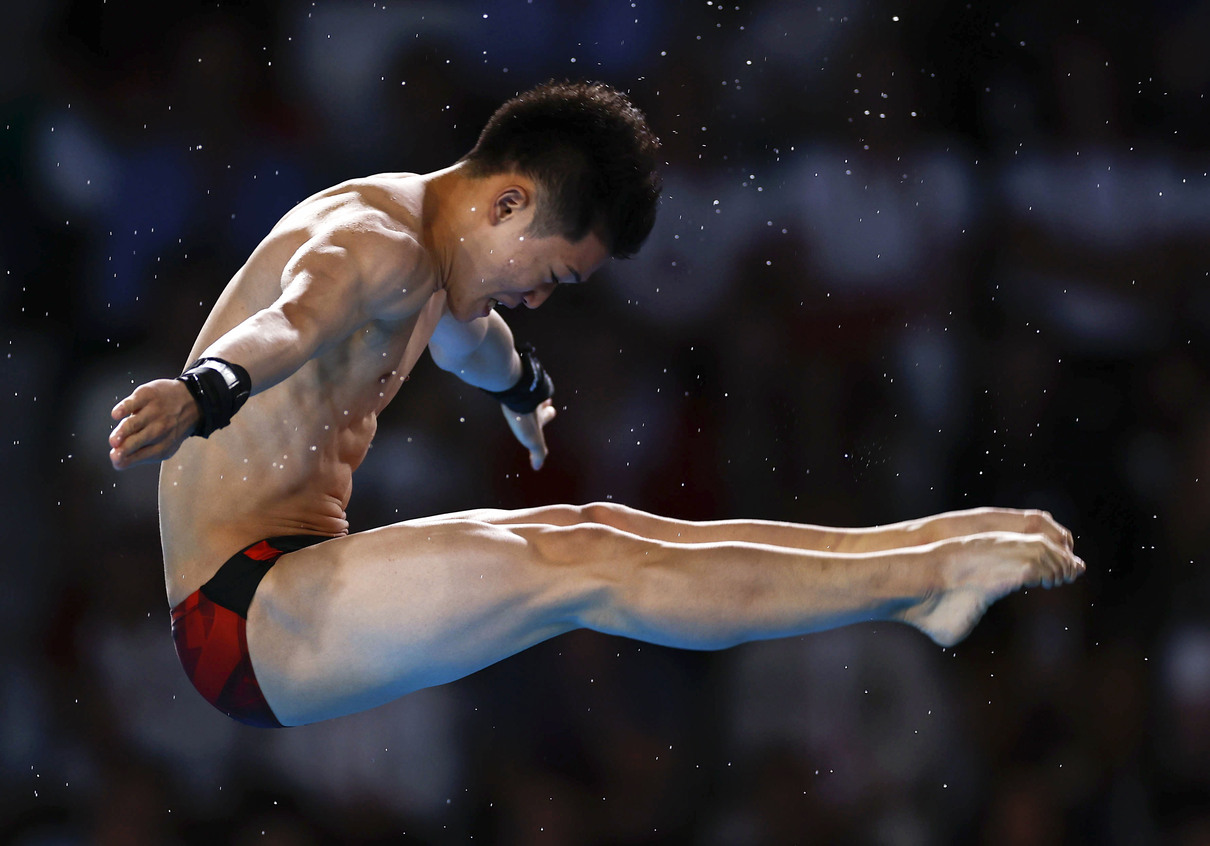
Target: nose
point(538, 295)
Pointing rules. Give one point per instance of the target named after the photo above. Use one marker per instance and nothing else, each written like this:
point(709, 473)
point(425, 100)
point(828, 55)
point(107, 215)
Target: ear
point(509, 202)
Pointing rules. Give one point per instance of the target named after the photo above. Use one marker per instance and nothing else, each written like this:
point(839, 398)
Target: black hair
point(590, 153)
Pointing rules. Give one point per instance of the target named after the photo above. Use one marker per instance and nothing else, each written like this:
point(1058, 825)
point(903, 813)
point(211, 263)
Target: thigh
point(357, 621)
point(543, 515)
point(611, 514)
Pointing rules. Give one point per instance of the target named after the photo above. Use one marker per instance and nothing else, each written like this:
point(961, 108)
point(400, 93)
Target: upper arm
point(480, 352)
point(334, 283)
point(453, 342)
point(341, 279)
point(321, 293)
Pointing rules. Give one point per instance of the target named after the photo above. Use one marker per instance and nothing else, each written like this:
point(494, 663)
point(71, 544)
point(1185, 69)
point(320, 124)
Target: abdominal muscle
point(284, 465)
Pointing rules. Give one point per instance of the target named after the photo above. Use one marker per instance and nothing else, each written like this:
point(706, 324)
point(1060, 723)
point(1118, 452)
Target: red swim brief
point(210, 631)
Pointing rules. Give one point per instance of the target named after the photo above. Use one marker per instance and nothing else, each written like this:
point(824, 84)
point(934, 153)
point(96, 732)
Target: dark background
point(911, 257)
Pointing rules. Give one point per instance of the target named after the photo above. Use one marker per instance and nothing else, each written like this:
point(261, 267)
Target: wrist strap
point(533, 388)
point(220, 389)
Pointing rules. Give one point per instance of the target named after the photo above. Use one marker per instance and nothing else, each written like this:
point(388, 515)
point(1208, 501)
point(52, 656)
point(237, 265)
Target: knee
point(587, 543)
point(609, 514)
point(612, 514)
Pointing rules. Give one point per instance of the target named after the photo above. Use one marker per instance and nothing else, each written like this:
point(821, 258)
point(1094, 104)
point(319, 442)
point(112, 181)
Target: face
point(508, 266)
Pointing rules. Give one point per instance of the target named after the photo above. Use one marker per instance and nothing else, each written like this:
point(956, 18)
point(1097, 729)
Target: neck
point(451, 200)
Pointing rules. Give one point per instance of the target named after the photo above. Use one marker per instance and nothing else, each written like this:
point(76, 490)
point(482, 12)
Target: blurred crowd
point(910, 258)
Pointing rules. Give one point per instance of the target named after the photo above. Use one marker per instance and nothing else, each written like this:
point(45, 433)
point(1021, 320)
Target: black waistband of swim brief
point(235, 583)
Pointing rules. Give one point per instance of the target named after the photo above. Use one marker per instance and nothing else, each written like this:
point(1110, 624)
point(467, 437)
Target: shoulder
point(369, 218)
point(373, 241)
point(368, 251)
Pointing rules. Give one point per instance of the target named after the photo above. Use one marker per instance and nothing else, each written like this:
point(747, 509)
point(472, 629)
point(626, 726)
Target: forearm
point(271, 345)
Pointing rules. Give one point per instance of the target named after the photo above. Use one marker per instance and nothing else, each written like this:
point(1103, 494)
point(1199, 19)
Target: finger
point(144, 449)
point(545, 413)
point(125, 427)
point(131, 425)
point(128, 406)
point(538, 452)
point(119, 431)
point(128, 444)
point(123, 460)
point(150, 432)
point(118, 434)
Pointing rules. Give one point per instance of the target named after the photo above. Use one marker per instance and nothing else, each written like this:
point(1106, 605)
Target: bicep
point(312, 307)
point(453, 342)
point(325, 295)
point(336, 283)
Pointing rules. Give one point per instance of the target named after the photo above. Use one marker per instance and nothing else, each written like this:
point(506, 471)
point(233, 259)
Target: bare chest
point(367, 370)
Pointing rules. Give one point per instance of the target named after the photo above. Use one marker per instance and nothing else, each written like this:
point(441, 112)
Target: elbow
point(445, 361)
point(303, 328)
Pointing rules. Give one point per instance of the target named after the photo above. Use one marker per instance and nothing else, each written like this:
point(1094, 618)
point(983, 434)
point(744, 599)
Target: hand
point(528, 430)
point(153, 423)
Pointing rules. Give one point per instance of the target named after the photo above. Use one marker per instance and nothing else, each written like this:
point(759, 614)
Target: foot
point(972, 521)
point(976, 570)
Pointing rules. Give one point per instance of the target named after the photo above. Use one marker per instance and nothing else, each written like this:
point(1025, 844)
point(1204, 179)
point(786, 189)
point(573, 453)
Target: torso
point(285, 463)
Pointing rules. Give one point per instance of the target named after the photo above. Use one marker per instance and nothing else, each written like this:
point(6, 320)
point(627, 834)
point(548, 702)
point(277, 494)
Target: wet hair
point(591, 155)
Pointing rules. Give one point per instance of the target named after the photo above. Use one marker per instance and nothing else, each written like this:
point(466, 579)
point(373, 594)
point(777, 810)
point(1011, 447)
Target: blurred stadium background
point(911, 257)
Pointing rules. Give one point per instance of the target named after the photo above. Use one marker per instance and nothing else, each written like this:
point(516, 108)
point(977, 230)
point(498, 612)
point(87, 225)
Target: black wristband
point(532, 389)
point(220, 389)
